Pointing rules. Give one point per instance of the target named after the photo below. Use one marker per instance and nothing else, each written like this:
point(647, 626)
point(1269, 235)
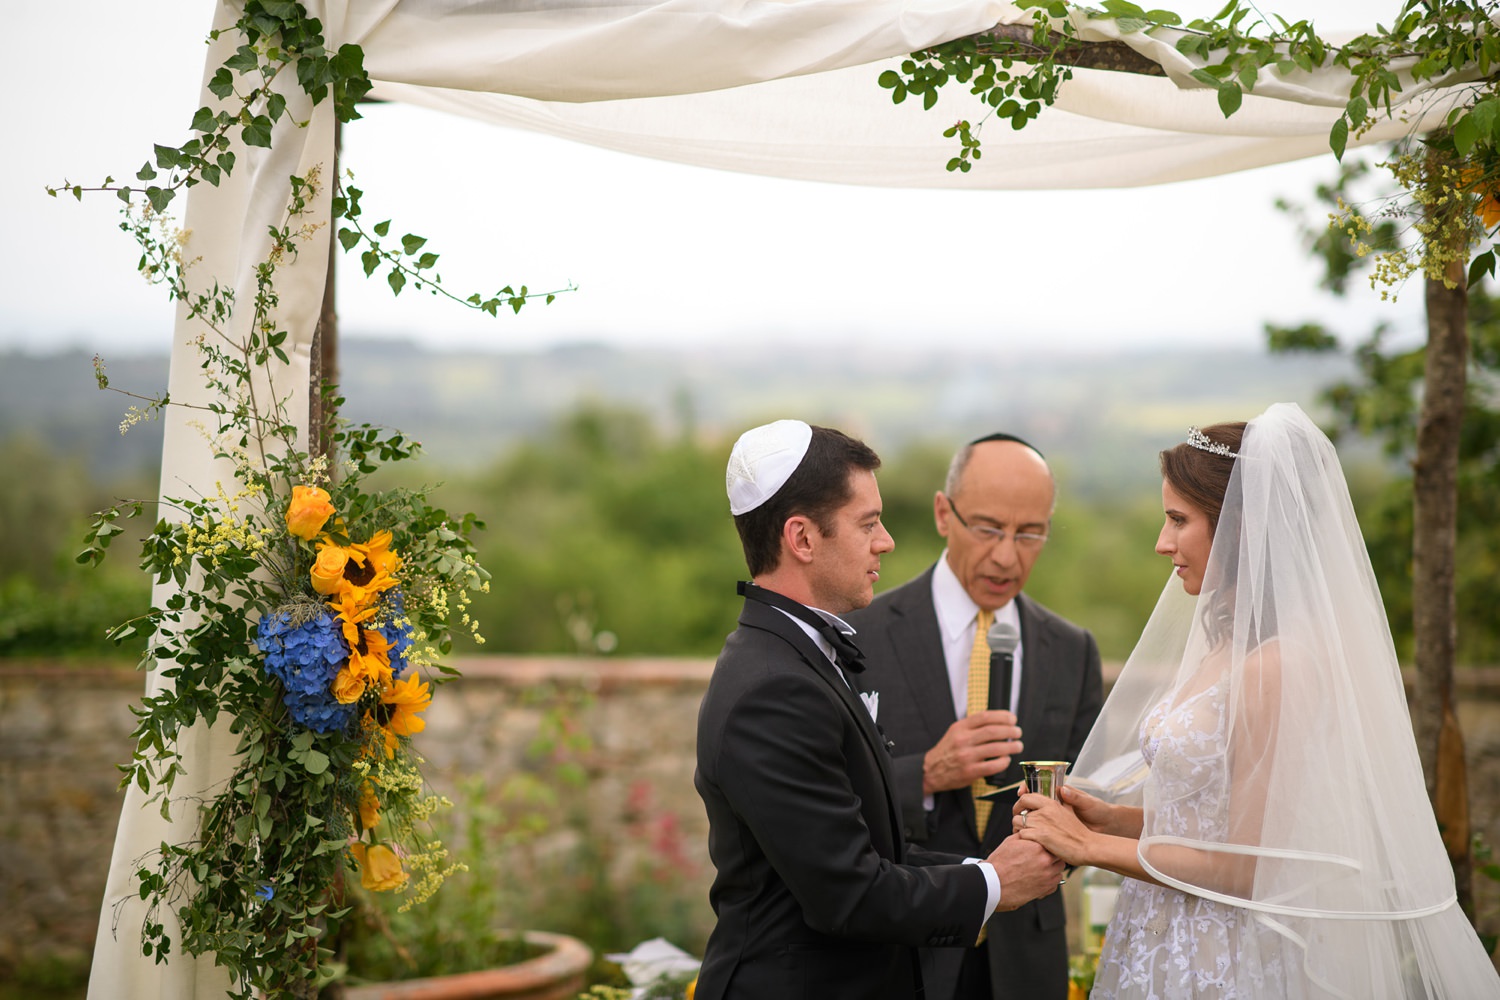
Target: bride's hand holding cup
point(1048, 822)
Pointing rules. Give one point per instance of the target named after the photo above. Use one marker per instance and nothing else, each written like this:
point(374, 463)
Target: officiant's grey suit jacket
point(1061, 692)
point(816, 892)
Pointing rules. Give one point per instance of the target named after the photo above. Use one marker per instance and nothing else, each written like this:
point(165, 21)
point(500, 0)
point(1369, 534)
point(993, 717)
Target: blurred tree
point(1381, 403)
point(48, 604)
point(606, 536)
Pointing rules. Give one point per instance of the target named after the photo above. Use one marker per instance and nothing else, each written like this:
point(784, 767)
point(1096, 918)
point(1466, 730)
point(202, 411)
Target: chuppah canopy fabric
point(780, 87)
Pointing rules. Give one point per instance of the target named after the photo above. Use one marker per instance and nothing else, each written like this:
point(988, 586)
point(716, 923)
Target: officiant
point(964, 714)
point(816, 891)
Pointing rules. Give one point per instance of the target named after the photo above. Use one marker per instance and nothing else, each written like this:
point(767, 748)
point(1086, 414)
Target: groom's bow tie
point(845, 651)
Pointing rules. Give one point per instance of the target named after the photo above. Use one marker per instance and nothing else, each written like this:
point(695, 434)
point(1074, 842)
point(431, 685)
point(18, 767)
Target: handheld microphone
point(1003, 638)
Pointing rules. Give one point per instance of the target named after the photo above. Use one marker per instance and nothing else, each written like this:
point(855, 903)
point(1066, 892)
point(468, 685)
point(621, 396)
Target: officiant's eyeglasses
point(991, 535)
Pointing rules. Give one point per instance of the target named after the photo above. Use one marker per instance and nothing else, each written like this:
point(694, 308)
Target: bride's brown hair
point(1201, 477)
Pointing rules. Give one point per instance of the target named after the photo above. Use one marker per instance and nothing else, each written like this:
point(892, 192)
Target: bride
point(1254, 772)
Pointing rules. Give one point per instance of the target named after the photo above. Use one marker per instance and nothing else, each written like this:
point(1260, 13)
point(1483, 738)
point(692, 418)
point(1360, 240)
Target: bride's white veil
point(1310, 809)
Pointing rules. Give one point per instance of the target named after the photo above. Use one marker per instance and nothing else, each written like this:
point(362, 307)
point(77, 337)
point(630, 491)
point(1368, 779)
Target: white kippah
point(762, 460)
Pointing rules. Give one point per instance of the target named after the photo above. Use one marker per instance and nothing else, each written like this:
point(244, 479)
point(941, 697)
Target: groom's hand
point(1026, 872)
point(974, 747)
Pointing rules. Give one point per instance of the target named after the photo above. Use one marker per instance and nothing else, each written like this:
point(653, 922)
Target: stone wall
point(63, 730)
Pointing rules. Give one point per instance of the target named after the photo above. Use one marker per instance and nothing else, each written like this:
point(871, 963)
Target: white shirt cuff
point(992, 885)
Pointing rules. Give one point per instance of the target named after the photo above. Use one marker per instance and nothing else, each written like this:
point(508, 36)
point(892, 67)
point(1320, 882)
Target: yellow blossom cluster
point(212, 537)
point(429, 865)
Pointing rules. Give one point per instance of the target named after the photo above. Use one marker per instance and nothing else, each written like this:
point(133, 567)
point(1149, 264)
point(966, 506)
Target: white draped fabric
point(783, 87)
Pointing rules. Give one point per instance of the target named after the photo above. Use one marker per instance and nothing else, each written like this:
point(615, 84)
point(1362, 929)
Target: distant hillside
point(1098, 417)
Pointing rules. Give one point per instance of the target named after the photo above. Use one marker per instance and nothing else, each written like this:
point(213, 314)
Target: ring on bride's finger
point(1023, 818)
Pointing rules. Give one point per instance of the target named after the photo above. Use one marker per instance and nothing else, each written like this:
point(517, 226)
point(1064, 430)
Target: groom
point(816, 892)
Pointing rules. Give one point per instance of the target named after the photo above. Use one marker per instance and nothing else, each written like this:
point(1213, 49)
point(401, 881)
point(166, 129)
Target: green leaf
point(383, 228)
point(221, 85)
point(1230, 97)
point(889, 80)
point(316, 762)
point(204, 120)
point(146, 173)
point(159, 198)
point(1166, 17)
point(1482, 266)
point(1338, 137)
point(1206, 78)
point(396, 280)
point(348, 239)
point(258, 132)
point(411, 244)
point(1356, 110)
point(1486, 115)
point(243, 61)
point(1465, 134)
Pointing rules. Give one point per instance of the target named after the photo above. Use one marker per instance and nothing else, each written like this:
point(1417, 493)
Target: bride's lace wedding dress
point(1163, 943)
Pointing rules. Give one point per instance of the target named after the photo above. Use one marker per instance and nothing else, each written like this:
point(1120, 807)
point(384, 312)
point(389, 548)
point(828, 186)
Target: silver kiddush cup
point(1045, 777)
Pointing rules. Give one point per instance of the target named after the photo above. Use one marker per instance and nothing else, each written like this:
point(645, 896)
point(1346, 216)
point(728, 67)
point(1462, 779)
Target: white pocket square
point(872, 704)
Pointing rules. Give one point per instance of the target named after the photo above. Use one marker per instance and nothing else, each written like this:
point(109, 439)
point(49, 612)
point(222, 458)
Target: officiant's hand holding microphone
point(980, 745)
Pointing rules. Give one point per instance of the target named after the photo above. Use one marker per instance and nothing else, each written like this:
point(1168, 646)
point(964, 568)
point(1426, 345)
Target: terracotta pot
point(556, 975)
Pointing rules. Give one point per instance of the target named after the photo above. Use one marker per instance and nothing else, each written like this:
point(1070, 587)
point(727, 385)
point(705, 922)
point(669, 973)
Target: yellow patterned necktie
point(979, 700)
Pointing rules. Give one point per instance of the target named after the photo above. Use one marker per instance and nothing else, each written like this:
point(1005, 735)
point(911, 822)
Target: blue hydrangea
point(399, 636)
point(306, 658)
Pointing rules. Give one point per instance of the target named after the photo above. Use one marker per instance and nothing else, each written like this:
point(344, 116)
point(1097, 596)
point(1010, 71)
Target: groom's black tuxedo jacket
point(1061, 692)
point(816, 892)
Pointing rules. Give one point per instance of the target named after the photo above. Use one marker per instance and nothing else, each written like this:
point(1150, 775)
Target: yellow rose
point(379, 868)
point(328, 571)
point(348, 686)
point(369, 806)
point(692, 988)
point(309, 510)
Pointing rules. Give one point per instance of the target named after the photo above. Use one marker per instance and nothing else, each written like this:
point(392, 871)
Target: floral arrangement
point(309, 613)
point(300, 611)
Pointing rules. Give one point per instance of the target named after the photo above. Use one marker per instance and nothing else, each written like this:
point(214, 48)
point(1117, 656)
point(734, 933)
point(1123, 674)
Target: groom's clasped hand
point(1027, 871)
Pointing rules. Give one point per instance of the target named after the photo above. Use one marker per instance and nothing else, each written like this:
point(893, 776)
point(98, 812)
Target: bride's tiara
point(1203, 442)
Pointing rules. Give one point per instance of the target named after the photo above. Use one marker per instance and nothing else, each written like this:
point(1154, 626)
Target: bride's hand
point(1041, 820)
point(1093, 812)
point(1100, 816)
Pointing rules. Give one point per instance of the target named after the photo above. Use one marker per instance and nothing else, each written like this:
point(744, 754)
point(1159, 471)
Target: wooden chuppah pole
point(324, 366)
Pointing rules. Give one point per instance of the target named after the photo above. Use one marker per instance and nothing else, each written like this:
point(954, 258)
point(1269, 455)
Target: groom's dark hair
point(818, 487)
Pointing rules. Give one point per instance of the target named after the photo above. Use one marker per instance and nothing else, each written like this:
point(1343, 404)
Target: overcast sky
point(662, 254)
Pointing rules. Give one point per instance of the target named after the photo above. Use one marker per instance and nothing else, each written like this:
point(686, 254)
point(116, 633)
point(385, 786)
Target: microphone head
point(1003, 637)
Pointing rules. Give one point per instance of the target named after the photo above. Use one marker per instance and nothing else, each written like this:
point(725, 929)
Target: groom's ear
point(798, 535)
